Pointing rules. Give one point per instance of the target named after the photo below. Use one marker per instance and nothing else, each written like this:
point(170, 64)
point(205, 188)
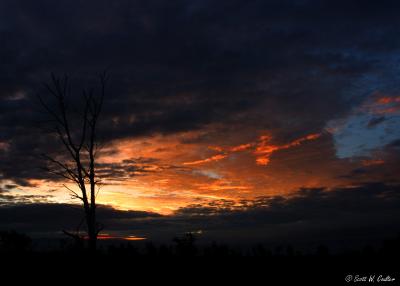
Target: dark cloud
point(10, 199)
point(307, 204)
point(127, 168)
point(358, 215)
point(352, 214)
point(375, 121)
point(288, 67)
point(394, 144)
point(49, 219)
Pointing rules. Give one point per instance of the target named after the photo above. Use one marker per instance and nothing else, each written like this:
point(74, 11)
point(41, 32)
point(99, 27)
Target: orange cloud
point(388, 100)
point(179, 171)
point(106, 236)
point(223, 185)
point(262, 161)
point(211, 159)
point(219, 157)
point(215, 148)
point(382, 104)
point(265, 149)
point(241, 147)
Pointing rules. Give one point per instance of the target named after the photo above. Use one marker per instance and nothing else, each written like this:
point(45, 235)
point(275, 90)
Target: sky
point(227, 109)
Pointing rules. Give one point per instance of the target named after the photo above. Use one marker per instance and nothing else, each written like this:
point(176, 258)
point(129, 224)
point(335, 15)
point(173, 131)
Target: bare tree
point(78, 137)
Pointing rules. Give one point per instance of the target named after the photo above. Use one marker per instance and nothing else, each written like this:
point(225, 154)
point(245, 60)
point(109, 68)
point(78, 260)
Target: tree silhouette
point(78, 137)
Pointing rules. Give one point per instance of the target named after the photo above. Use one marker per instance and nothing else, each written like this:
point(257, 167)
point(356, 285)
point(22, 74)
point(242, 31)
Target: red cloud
point(262, 149)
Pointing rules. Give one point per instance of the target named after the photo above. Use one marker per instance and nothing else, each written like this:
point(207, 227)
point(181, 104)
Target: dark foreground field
point(184, 261)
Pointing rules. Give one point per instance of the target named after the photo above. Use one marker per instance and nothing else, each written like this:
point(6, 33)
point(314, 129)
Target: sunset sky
point(210, 104)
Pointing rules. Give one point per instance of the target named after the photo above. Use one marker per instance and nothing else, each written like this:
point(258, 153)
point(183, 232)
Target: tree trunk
point(92, 231)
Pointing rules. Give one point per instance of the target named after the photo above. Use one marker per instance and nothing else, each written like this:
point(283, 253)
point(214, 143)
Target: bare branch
point(74, 194)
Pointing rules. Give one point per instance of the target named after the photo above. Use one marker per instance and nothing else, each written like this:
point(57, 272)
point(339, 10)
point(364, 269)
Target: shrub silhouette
point(185, 245)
